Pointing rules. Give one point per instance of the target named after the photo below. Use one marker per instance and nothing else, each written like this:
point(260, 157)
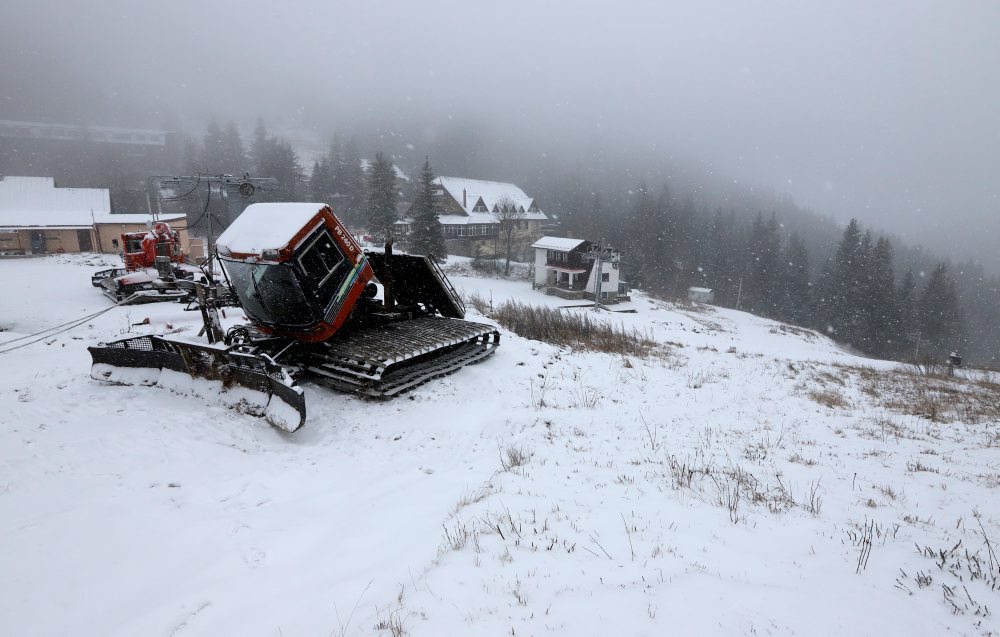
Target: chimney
point(464, 202)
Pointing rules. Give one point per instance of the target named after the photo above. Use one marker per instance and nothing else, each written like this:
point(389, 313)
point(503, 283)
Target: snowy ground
point(747, 479)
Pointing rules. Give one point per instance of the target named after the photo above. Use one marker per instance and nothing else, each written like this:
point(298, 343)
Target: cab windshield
point(270, 293)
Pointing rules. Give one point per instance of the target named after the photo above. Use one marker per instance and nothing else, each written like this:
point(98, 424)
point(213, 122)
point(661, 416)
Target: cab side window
point(321, 258)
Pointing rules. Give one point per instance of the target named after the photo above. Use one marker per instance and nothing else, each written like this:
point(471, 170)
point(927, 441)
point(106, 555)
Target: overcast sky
point(889, 111)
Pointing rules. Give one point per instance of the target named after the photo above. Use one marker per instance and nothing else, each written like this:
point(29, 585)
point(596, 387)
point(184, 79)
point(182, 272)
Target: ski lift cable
point(59, 329)
point(55, 327)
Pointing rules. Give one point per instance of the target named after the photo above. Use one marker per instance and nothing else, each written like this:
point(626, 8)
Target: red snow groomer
point(139, 251)
point(309, 294)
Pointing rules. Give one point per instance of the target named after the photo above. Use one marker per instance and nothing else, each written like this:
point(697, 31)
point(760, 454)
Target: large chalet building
point(471, 211)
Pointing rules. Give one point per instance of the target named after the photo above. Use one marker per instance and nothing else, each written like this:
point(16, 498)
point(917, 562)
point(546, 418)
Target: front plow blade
point(246, 382)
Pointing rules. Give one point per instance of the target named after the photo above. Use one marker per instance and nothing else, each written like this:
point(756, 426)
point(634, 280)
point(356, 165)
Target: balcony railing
point(572, 264)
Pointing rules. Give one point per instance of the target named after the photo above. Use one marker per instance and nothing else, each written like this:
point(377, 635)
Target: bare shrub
point(392, 622)
point(924, 391)
point(698, 379)
point(471, 497)
point(831, 398)
point(814, 502)
point(965, 569)
point(652, 434)
point(538, 394)
point(736, 485)
point(480, 304)
point(513, 457)
point(684, 473)
point(574, 329)
point(798, 458)
point(457, 536)
point(916, 465)
point(887, 491)
point(989, 480)
point(586, 397)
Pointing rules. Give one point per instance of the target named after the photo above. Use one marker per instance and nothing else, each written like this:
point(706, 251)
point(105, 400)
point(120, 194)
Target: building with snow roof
point(471, 213)
point(567, 268)
point(701, 295)
point(88, 155)
point(37, 217)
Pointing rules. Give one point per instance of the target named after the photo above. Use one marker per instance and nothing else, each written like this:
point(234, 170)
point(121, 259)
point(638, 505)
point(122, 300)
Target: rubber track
point(384, 361)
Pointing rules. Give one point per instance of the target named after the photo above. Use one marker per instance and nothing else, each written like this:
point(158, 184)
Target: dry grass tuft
point(831, 398)
point(568, 329)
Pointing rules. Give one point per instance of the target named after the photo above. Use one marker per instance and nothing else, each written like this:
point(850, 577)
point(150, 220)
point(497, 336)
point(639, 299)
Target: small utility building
point(567, 268)
point(701, 295)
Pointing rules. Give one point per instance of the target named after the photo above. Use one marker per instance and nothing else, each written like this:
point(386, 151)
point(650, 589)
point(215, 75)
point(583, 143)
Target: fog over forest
point(882, 111)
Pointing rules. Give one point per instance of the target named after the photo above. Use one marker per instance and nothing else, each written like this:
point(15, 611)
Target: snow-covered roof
point(267, 226)
point(132, 218)
point(366, 164)
point(16, 228)
point(559, 244)
point(36, 202)
point(700, 290)
point(468, 192)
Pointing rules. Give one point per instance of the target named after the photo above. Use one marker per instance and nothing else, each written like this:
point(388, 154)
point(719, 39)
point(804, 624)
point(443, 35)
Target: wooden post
point(389, 300)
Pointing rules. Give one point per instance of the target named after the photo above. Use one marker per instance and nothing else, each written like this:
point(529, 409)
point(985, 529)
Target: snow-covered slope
point(747, 479)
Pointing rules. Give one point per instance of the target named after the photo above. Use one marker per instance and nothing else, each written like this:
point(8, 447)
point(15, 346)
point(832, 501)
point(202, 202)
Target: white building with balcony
point(567, 268)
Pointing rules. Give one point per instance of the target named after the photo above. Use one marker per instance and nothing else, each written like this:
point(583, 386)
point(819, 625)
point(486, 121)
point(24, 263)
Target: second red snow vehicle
point(307, 289)
point(136, 281)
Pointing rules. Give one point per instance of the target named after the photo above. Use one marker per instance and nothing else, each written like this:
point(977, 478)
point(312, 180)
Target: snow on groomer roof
point(267, 226)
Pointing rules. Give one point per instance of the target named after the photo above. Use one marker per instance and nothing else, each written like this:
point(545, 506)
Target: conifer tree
point(276, 158)
point(682, 243)
point(717, 262)
point(191, 159)
point(317, 181)
point(764, 252)
point(906, 302)
point(647, 238)
point(883, 333)
point(795, 286)
point(258, 146)
point(331, 168)
point(590, 225)
point(426, 234)
point(351, 185)
point(232, 155)
point(211, 149)
point(939, 314)
point(845, 297)
point(381, 199)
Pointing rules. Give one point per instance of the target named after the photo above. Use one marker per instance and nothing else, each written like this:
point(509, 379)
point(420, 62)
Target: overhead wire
point(197, 183)
point(204, 210)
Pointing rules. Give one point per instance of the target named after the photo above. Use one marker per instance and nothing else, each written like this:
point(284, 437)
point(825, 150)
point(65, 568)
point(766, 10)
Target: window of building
point(605, 277)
